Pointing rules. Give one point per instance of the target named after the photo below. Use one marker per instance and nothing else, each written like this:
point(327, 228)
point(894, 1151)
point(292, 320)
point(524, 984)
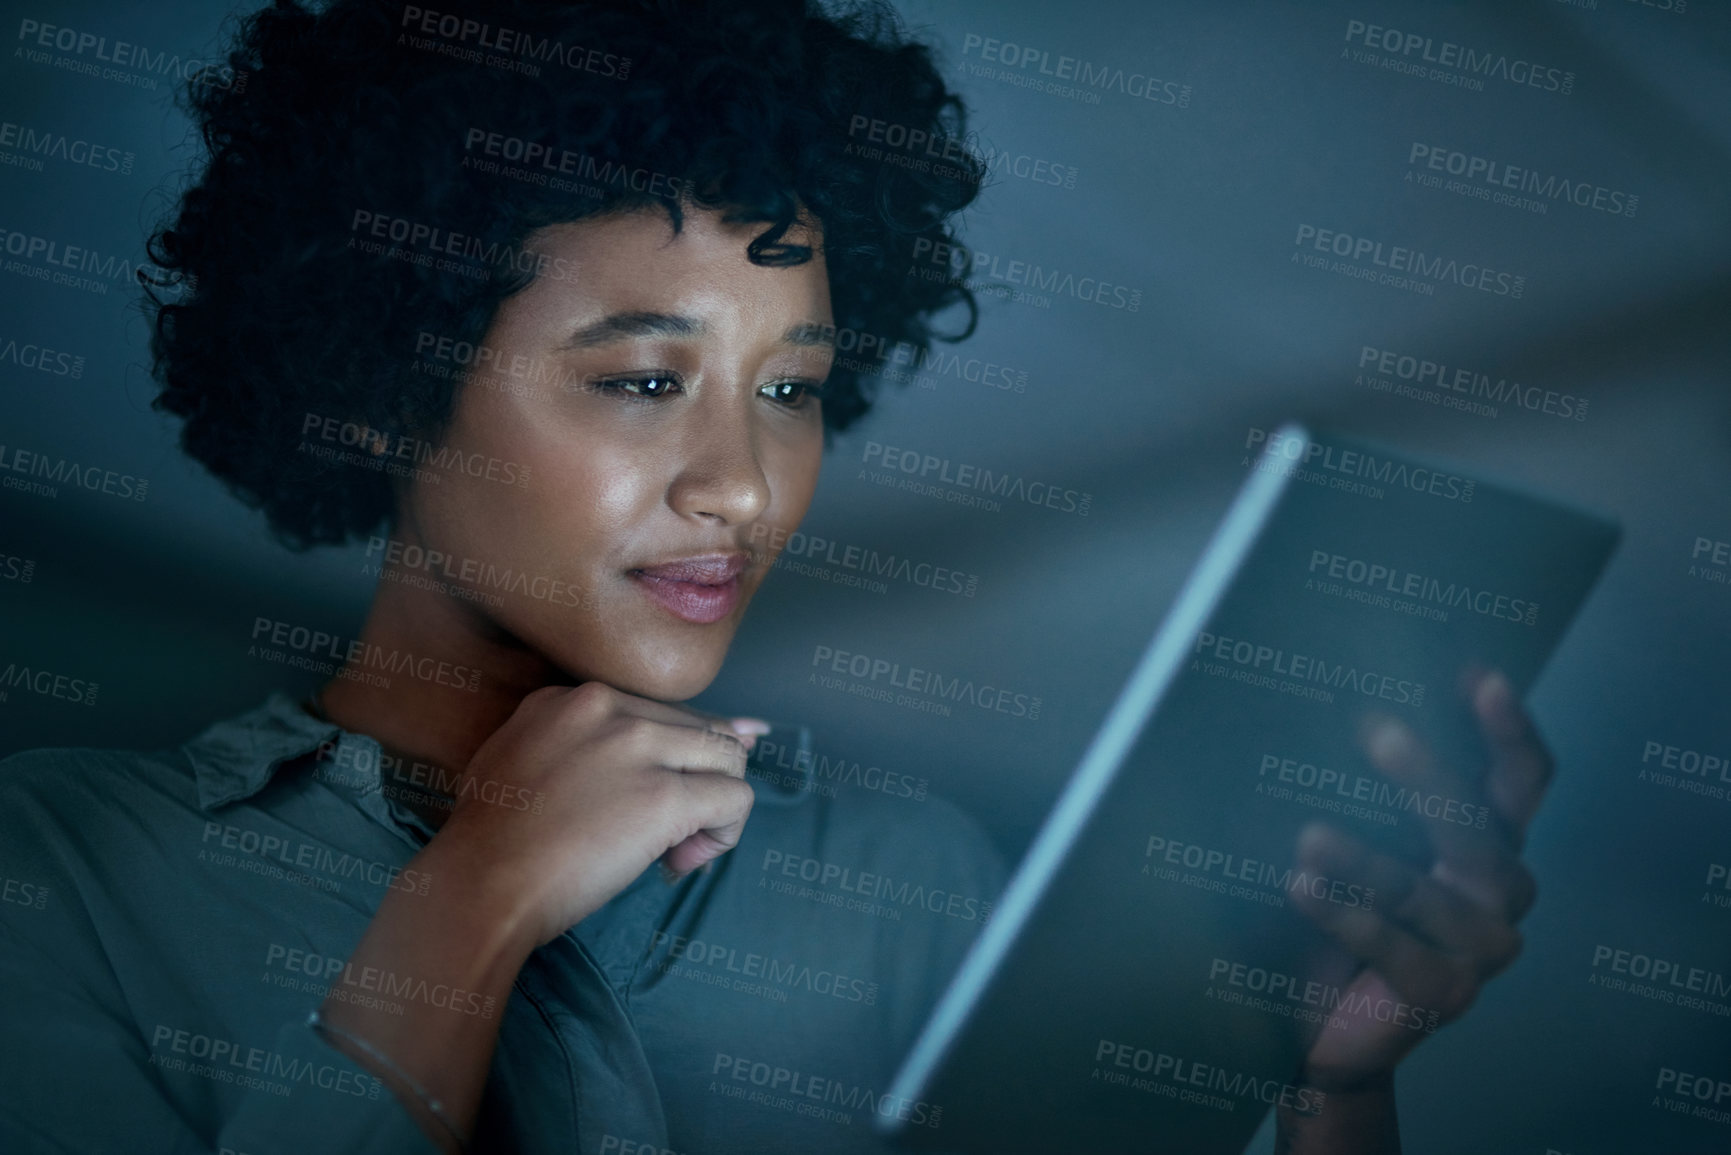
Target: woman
point(543, 301)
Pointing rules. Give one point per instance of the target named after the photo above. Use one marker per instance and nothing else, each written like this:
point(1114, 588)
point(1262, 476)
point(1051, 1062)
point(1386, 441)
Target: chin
point(670, 673)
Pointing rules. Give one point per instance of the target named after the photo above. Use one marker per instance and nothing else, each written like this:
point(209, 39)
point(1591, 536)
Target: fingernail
point(1496, 694)
point(1390, 743)
point(748, 730)
point(669, 875)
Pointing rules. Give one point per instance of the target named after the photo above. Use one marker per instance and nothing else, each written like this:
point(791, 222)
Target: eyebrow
point(627, 326)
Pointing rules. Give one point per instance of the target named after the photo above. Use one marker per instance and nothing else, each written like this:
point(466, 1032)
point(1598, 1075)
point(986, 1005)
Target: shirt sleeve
point(79, 1074)
point(355, 1113)
point(76, 1075)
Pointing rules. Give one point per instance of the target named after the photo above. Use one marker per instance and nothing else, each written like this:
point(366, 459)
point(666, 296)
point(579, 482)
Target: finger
point(1521, 768)
point(717, 807)
point(690, 750)
point(1479, 857)
point(1423, 975)
point(1441, 915)
point(747, 730)
point(674, 714)
point(693, 852)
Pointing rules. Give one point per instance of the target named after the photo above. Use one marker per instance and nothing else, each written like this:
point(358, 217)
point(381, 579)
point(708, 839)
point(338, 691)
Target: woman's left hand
point(1434, 938)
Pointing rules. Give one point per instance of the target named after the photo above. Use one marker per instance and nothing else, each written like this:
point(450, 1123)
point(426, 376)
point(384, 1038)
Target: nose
point(722, 479)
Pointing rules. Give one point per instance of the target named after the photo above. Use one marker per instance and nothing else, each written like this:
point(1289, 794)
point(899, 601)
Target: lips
point(701, 589)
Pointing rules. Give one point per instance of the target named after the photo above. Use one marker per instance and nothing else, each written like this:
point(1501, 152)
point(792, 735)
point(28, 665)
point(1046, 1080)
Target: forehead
point(635, 262)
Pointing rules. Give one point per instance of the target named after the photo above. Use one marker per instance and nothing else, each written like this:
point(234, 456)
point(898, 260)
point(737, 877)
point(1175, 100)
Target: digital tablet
point(1146, 983)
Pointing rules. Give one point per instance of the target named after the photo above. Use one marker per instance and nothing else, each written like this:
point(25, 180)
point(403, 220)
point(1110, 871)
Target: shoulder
point(230, 759)
point(90, 799)
point(54, 786)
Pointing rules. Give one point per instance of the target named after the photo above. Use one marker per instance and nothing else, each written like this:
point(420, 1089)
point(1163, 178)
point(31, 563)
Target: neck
point(431, 648)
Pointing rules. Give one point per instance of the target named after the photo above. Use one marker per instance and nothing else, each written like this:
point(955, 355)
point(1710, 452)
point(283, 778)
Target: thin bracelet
point(318, 1023)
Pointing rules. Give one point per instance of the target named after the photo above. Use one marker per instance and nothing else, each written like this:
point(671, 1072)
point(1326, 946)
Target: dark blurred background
point(1188, 189)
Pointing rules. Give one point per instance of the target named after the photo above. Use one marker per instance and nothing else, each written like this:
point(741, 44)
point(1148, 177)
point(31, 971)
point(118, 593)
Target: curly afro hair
point(273, 307)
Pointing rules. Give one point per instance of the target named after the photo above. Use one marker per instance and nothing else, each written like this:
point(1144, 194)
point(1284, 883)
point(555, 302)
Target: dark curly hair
point(273, 306)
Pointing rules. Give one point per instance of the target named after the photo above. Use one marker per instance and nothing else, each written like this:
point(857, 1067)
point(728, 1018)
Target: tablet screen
point(1147, 983)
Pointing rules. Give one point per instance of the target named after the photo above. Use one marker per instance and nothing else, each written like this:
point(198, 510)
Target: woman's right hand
point(620, 781)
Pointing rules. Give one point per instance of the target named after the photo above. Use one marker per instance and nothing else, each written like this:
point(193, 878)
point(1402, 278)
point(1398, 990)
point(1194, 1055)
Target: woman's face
point(660, 390)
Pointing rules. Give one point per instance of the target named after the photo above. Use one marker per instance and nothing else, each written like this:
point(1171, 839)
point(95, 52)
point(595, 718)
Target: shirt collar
point(237, 757)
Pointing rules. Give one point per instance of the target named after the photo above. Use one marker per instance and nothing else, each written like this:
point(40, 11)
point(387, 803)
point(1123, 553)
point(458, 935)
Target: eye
point(793, 394)
point(646, 387)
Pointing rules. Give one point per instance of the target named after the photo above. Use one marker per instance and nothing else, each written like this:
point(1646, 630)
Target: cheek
point(593, 488)
point(792, 470)
point(583, 492)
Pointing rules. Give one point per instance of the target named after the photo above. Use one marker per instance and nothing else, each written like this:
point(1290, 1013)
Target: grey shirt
point(168, 919)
